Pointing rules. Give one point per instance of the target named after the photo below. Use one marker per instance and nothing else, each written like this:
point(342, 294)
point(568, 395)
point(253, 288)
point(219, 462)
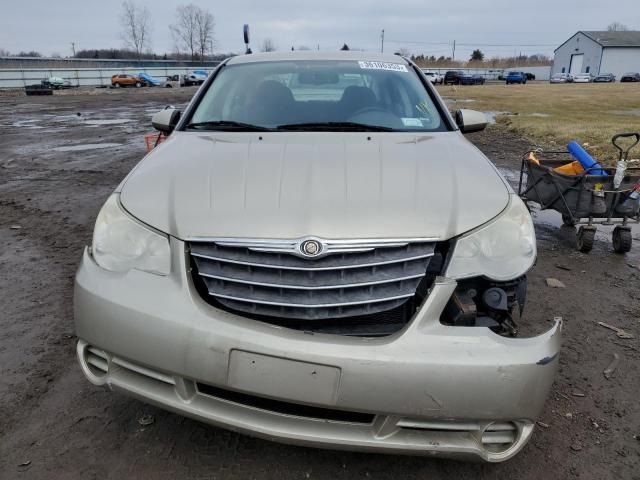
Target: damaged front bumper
point(429, 389)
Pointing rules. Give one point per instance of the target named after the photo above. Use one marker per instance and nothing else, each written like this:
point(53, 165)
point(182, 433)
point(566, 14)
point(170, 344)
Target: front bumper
point(428, 389)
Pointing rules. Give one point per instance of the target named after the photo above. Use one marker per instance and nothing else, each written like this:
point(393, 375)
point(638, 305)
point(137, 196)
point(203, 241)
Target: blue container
point(588, 163)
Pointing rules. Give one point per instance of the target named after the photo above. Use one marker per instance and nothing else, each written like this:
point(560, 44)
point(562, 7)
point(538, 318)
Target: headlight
point(502, 249)
point(120, 243)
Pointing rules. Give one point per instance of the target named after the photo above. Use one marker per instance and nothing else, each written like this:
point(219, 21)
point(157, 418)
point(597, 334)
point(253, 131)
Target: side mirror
point(166, 120)
point(470, 120)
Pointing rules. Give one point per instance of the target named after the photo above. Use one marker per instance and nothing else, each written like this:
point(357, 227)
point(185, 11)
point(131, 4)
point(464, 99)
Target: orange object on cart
point(573, 168)
point(153, 140)
point(532, 158)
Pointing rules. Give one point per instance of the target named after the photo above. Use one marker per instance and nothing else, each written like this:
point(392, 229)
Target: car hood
point(329, 185)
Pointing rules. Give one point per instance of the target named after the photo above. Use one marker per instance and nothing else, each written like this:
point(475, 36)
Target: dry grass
point(552, 115)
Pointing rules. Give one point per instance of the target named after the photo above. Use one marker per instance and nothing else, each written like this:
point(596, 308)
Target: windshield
point(317, 95)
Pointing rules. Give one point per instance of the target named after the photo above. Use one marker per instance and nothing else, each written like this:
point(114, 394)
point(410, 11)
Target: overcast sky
point(497, 27)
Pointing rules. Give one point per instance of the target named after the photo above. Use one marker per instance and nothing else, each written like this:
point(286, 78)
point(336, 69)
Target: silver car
point(316, 255)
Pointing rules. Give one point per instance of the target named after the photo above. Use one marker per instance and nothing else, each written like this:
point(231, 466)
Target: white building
point(599, 52)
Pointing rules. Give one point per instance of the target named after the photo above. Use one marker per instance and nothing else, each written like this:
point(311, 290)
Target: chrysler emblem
point(311, 248)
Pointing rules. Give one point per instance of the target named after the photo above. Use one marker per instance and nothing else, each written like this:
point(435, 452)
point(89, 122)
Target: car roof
point(314, 55)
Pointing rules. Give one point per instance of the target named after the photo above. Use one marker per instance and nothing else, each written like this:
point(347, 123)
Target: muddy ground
point(55, 425)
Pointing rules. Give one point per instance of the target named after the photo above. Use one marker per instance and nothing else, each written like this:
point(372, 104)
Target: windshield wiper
point(228, 125)
point(344, 126)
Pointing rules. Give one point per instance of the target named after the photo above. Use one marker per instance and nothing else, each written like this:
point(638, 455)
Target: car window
point(277, 93)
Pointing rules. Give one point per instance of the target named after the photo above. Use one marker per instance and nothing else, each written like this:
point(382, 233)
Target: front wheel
point(585, 239)
point(138, 84)
point(622, 239)
point(116, 85)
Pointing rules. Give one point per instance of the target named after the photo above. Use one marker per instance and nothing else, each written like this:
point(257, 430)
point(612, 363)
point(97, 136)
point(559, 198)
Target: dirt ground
point(55, 425)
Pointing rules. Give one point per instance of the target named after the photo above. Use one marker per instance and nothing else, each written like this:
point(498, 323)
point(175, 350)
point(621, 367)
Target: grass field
point(552, 115)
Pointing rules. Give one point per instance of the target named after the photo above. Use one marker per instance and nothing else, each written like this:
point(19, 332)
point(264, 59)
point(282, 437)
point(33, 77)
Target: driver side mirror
point(166, 120)
point(470, 120)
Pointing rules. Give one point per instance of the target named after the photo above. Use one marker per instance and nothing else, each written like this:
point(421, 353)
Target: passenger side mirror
point(470, 120)
point(166, 120)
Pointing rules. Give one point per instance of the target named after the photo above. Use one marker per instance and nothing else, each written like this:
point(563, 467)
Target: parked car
point(56, 83)
point(478, 79)
point(149, 80)
point(247, 274)
point(466, 79)
point(605, 77)
point(124, 80)
point(172, 81)
point(434, 77)
point(582, 78)
point(452, 77)
point(560, 78)
point(630, 77)
point(516, 77)
point(192, 78)
point(469, 79)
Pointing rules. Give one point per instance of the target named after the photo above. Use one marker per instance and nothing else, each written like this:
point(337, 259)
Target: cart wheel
point(622, 239)
point(566, 220)
point(585, 239)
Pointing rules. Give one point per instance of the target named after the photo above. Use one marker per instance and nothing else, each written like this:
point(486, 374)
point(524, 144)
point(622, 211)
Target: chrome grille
point(357, 279)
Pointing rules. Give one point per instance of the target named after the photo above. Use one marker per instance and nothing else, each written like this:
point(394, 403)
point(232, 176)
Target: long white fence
point(21, 77)
point(79, 77)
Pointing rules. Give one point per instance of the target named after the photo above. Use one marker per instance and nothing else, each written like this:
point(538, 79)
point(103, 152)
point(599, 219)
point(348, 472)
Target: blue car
point(149, 80)
point(516, 77)
point(466, 79)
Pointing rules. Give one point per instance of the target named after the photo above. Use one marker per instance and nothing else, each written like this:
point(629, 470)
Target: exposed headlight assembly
point(120, 243)
point(502, 249)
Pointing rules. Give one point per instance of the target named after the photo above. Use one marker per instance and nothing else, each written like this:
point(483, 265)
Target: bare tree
point(268, 45)
point(193, 30)
point(617, 27)
point(184, 30)
point(205, 39)
point(136, 26)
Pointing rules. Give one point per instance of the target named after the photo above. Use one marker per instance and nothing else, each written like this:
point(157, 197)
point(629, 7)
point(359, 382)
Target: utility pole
point(453, 54)
point(73, 48)
point(382, 46)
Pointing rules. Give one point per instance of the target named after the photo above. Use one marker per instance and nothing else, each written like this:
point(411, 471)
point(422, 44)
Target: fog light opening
point(498, 437)
point(95, 362)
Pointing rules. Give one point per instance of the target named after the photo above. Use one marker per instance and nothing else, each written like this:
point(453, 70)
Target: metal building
point(599, 52)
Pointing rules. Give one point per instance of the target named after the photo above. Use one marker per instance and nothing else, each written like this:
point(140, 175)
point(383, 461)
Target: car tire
point(138, 84)
point(116, 85)
point(168, 86)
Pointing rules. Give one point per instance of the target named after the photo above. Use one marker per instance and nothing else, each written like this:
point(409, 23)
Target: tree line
point(193, 34)
point(477, 59)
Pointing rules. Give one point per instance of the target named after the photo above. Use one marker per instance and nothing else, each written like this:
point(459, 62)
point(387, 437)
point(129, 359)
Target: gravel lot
point(61, 156)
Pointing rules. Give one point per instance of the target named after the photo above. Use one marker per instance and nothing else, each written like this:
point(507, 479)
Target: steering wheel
point(370, 109)
point(368, 115)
